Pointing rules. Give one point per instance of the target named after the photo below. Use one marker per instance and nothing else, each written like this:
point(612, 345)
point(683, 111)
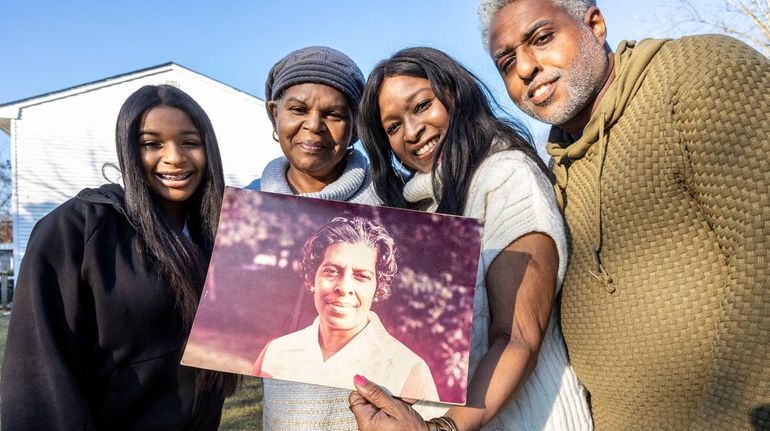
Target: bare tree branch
point(748, 20)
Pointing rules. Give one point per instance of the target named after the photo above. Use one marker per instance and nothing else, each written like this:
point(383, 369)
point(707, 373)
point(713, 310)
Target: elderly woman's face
point(314, 124)
point(345, 283)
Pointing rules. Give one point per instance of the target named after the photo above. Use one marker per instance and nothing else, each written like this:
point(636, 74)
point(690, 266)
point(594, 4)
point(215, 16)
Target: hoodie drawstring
point(601, 273)
point(561, 160)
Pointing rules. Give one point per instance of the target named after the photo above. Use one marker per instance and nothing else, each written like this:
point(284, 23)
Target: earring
point(275, 135)
point(312, 289)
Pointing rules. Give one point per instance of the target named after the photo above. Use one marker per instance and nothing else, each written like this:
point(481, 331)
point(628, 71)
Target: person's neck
point(302, 182)
point(577, 123)
point(333, 340)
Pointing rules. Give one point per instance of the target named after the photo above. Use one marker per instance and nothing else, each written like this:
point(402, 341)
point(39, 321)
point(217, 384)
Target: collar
point(353, 180)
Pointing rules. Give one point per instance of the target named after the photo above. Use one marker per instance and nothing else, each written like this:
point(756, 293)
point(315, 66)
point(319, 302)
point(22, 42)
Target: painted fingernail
point(360, 380)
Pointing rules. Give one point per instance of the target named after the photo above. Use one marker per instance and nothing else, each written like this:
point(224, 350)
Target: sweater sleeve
point(42, 375)
point(722, 113)
point(513, 198)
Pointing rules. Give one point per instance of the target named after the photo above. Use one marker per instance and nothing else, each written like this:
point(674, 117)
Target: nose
point(527, 65)
point(346, 285)
point(313, 122)
point(413, 130)
point(173, 153)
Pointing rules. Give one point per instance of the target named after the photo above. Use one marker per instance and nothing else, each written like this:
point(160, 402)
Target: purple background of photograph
point(254, 291)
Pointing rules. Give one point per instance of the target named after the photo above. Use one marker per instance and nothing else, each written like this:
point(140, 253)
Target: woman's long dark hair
point(472, 128)
point(180, 261)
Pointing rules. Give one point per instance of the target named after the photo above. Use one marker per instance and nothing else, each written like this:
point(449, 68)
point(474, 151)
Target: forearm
point(520, 289)
point(501, 373)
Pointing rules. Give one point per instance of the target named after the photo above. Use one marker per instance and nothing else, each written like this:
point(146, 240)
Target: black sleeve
point(43, 379)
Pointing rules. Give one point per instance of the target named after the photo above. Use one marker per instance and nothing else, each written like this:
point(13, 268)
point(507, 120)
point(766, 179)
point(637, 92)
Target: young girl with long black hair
point(109, 284)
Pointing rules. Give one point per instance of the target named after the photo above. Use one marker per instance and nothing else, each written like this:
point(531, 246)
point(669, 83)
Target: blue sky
point(51, 45)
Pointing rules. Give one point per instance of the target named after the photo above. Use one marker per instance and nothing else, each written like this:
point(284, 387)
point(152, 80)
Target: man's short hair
point(489, 8)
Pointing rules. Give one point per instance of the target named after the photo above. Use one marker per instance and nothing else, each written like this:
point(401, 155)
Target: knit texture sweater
point(301, 406)
point(666, 299)
point(513, 198)
point(354, 185)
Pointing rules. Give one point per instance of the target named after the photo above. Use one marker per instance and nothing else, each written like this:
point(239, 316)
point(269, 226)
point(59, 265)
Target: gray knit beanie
point(316, 64)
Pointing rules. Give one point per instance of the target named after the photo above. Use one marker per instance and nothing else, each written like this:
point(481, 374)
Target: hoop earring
point(275, 136)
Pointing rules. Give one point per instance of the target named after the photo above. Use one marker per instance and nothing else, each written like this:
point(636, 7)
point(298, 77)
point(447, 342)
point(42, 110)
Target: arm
point(726, 152)
point(520, 284)
point(43, 376)
point(516, 202)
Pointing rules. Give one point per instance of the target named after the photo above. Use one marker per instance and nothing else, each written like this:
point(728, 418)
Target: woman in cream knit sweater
point(436, 145)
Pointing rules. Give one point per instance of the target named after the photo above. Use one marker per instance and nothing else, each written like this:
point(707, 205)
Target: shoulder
point(508, 170)
point(728, 59)
point(254, 185)
point(507, 159)
point(294, 339)
point(274, 177)
point(712, 44)
point(86, 211)
point(389, 343)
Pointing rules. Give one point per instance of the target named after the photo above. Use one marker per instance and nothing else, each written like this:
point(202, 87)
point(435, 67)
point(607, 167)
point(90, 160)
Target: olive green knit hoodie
point(666, 301)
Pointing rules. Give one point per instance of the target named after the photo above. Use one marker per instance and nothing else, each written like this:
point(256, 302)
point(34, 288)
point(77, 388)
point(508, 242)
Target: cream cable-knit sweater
point(512, 197)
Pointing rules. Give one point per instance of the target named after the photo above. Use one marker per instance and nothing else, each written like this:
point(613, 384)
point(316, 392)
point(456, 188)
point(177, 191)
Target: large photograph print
point(317, 291)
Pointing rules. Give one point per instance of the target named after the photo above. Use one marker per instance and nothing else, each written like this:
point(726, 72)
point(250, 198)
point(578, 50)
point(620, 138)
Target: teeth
point(540, 90)
point(427, 147)
point(174, 177)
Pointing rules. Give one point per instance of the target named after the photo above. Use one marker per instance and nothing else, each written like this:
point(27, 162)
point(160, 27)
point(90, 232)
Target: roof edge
point(6, 109)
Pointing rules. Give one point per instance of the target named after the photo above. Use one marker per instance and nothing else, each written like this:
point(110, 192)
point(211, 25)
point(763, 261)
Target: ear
point(273, 107)
point(594, 20)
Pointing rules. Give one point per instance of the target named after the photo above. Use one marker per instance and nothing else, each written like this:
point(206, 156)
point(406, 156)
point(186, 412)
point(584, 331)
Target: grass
point(242, 411)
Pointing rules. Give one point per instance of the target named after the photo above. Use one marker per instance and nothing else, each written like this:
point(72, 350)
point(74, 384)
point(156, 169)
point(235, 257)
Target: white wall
point(59, 147)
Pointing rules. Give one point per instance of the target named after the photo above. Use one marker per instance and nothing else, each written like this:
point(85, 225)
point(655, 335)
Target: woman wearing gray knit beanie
point(312, 97)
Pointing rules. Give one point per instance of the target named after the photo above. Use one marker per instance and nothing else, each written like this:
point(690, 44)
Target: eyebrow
point(296, 99)
point(527, 34)
point(408, 100)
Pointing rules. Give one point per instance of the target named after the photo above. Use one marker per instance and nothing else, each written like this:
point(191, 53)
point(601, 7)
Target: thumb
point(373, 393)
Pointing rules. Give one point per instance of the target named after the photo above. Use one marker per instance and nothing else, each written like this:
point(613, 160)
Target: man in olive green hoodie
point(661, 157)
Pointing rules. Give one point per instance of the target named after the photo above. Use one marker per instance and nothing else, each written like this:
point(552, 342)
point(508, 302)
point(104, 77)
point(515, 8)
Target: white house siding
point(59, 145)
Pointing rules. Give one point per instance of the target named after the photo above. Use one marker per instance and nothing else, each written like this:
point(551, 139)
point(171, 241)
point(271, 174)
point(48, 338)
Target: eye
point(363, 277)
point(392, 128)
point(192, 143)
point(336, 115)
point(329, 272)
point(150, 144)
point(543, 38)
point(297, 109)
point(423, 105)
point(506, 63)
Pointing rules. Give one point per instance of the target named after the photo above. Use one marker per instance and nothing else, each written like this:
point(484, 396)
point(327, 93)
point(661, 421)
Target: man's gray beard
point(583, 80)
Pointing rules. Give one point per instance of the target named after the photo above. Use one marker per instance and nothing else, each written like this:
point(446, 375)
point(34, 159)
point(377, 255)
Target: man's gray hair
point(489, 8)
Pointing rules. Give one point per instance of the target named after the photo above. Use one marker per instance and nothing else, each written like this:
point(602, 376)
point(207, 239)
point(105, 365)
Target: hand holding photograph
point(317, 291)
